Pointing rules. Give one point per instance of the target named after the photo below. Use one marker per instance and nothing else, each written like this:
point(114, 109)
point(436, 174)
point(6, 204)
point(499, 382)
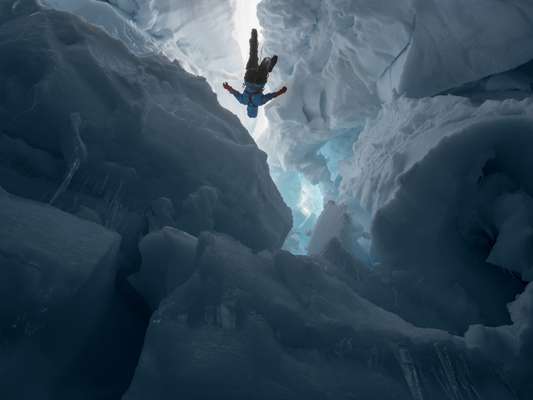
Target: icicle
point(410, 373)
point(454, 378)
point(79, 154)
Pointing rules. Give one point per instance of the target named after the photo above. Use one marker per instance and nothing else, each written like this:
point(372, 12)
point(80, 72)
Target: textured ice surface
point(453, 43)
point(113, 21)
point(138, 145)
point(510, 347)
point(147, 128)
point(57, 274)
point(340, 59)
point(335, 223)
point(269, 326)
point(199, 34)
point(447, 182)
point(168, 258)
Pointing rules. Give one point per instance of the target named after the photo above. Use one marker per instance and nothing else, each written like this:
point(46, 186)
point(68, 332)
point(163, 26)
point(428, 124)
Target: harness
point(251, 94)
point(250, 101)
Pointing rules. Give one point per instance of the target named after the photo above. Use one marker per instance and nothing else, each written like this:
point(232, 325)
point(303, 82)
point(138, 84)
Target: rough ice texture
point(270, 326)
point(168, 259)
point(57, 275)
point(140, 146)
point(449, 186)
point(336, 224)
point(453, 43)
point(87, 123)
point(199, 34)
point(341, 59)
point(166, 25)
point(510, 347)
point(111, 19)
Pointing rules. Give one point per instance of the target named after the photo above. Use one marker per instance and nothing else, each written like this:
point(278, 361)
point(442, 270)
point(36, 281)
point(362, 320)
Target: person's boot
point(253, 38)
point(272, 63)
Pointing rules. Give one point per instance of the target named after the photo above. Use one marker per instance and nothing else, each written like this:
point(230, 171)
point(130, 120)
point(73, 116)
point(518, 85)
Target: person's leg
point(273, 62)
point(266, 67)
point(262, 71)
point(253, 60)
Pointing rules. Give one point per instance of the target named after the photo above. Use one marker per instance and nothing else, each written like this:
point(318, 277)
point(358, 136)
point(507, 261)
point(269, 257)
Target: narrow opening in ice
point(305, 199)
point(245, 19)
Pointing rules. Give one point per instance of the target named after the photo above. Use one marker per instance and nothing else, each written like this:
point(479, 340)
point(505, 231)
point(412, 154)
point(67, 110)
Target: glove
point(227, 86)
point(283, 90)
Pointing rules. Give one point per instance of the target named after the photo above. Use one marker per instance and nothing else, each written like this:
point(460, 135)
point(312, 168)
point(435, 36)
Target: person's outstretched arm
point(234, 92)
point(269, 96)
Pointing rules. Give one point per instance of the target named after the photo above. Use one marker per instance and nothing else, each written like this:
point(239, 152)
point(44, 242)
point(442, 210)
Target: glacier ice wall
point(343, 58)
point(132, 129)
point(274, 325)
point(142, 160)
point(57, 283)
point(447, 183)
point(99, 144)
point(199, 34)
point(444, 180)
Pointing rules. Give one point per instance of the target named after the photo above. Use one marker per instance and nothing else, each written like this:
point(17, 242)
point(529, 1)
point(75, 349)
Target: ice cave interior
point(368, 236)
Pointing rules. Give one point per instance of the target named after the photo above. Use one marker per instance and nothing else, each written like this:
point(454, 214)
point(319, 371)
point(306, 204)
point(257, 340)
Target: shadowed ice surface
point(141, 232)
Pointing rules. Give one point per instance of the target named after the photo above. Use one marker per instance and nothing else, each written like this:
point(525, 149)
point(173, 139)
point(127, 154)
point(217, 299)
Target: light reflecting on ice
point(311, 199)
point(245, 19)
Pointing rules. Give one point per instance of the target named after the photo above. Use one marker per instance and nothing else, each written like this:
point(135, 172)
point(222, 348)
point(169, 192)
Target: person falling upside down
point(255, 80)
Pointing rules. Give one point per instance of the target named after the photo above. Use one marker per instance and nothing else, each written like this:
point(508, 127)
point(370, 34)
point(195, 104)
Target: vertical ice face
point(453, 43)
point(57, 277)
point(331, 55)
point(198, 34)
point(271, 326)
point(342, 59)
point(446, 181)
point(143, 147)
point(125, 131)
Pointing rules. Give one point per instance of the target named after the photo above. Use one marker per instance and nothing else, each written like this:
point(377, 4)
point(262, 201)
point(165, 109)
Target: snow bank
point(91, 125)
point(57, 275)
point(278, 326)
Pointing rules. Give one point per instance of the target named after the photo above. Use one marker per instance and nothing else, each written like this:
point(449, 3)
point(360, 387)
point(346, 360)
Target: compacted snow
point(141, 231)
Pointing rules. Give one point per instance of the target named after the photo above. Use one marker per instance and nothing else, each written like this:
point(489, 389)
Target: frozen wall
point(200, 35)
point(108, 144)
point(57, 276)
point(447, 184)
point(136, 160)
point(238, 325)
point(103, 129)
point(443, 180)
point(341, 59)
